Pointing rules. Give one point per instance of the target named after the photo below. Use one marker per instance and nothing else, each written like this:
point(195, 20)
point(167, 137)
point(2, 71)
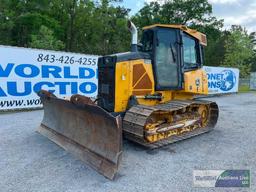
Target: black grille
point(106, 85)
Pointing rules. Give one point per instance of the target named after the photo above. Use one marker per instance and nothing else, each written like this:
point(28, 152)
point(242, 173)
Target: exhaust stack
point(132, 28)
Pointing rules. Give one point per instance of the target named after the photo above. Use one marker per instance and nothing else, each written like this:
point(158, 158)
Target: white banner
point(222, 178)
point(222, 80)
point(23, 72)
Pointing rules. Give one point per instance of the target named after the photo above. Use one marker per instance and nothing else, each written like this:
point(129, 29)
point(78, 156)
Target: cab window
point(147, 41)
point(166, 59)
point(190, 47)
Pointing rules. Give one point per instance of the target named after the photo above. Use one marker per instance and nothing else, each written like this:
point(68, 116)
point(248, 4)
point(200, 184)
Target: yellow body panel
point(196, 82)
point(136, 77)
point(122, 87)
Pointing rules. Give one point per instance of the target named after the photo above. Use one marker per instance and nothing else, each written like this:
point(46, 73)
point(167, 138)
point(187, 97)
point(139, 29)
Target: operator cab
point(173, 51)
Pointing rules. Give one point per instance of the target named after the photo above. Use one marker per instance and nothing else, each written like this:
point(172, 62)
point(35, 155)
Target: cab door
point(166, 61)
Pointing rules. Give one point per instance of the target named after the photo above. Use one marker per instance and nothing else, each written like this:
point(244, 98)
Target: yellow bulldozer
point(145, 95)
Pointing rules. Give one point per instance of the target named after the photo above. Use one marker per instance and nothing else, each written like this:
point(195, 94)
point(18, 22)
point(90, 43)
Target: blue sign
point(222, 80)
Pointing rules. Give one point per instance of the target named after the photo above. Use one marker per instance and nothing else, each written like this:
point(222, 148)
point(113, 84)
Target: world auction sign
point(23, 72)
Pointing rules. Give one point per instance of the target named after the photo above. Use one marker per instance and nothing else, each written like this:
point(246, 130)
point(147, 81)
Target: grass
point(244, 89)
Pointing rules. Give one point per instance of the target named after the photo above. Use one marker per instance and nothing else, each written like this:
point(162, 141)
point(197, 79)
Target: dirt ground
point(30, 162)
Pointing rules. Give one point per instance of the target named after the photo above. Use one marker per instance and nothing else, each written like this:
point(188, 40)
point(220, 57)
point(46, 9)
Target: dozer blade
point(85, 130)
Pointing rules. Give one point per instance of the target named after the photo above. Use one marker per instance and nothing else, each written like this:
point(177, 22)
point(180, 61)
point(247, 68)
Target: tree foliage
point(196, 14)
point(252, 37)
point(86, 26)
point(45, 40)
point(99, 27)
point(239, 50)
point(174, 11)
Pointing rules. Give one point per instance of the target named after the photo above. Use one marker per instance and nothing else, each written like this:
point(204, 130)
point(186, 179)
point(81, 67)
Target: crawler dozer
point(146, 95)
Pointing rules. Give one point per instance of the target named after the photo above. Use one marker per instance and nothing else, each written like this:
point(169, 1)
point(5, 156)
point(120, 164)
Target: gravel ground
point(30, 162)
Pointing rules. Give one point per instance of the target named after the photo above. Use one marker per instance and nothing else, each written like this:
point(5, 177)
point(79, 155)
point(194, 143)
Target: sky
point(234, 12)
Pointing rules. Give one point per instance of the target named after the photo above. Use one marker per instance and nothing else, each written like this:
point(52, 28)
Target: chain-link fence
point(253, 81)
point(244, 82)
point(248, 82)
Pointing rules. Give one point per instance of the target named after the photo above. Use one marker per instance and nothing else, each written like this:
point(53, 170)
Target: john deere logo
point(197, 82)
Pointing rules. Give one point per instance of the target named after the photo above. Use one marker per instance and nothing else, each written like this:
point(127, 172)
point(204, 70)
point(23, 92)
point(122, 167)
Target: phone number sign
point(23, 72)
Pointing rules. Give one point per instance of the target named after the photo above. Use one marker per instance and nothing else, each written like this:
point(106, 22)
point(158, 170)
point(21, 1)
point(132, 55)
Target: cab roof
point(198, 35)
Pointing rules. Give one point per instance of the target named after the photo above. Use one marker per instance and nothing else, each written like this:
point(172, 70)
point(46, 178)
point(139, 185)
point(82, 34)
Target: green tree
point(252, 37)
point(29, 24)
point(184, 12)
point(109, 33)
point(6, 23)
point(46, 40)
point(99, 26)
point(214, 51)
point(196, 14)
point(21, 19)
point(239, 51)
point(92, 27)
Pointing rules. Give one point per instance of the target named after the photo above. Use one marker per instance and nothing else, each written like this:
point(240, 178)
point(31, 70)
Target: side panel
point(136, 78)
point(122, 85)
point(133, 78)
point(196, 82)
